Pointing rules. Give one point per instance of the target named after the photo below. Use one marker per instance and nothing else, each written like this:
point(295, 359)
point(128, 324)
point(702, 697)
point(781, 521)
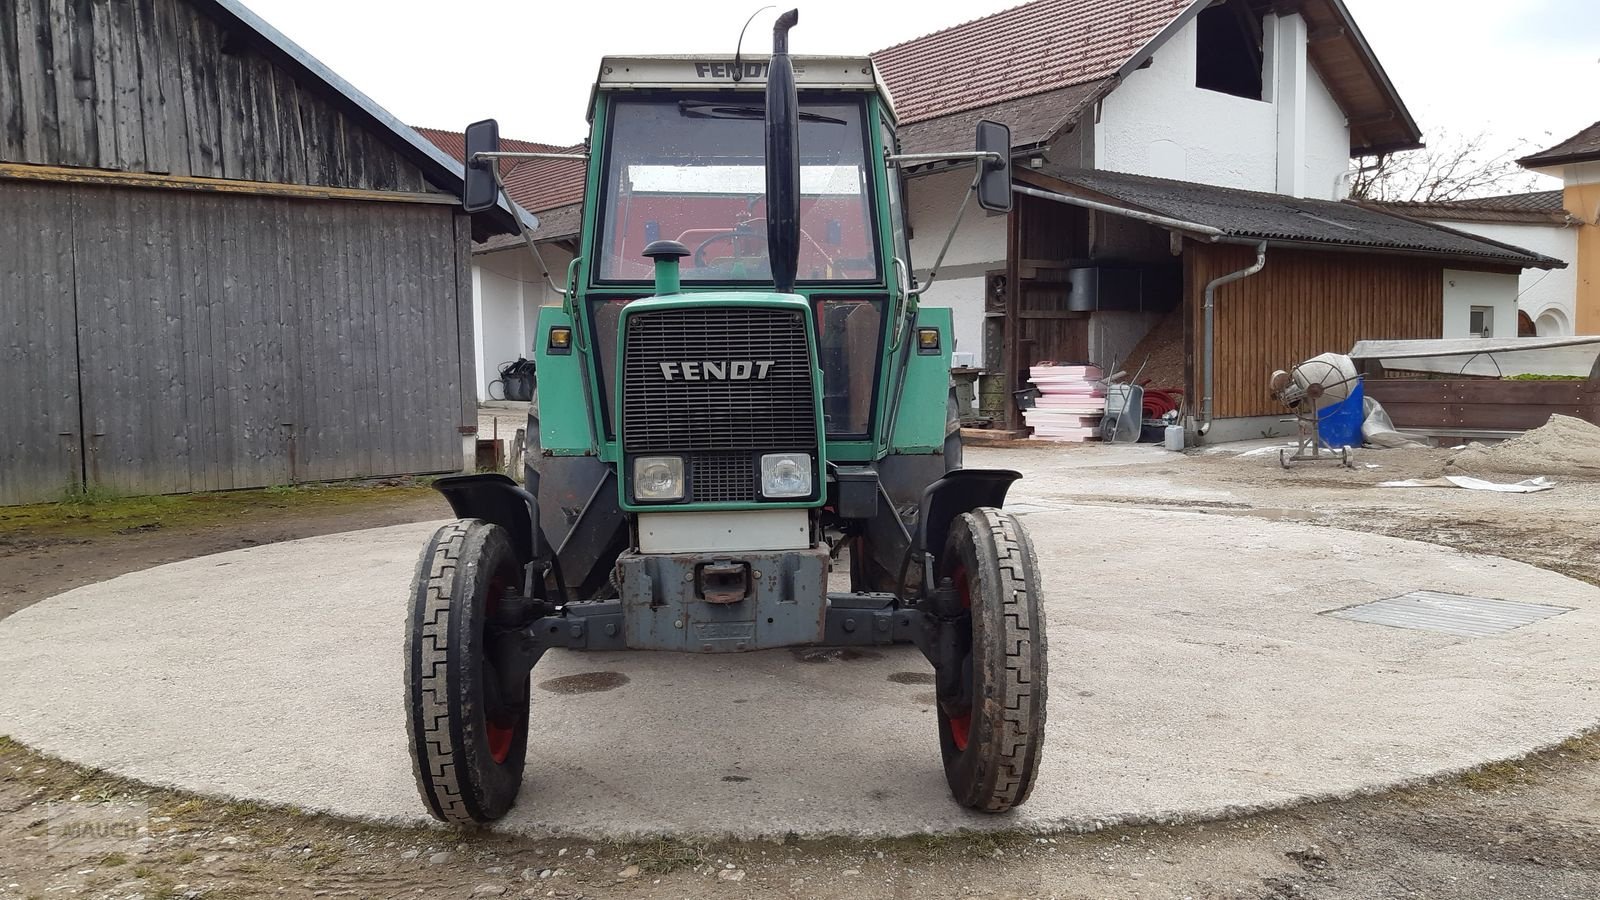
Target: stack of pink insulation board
point(1071, 403)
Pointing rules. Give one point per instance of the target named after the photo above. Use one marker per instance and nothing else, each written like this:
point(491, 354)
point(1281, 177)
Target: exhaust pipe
point(783, 159)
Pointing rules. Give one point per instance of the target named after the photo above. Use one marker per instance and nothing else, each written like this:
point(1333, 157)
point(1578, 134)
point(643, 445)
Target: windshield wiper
point(699, 109)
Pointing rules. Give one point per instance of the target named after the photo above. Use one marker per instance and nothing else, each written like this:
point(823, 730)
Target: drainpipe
point(1210, 342)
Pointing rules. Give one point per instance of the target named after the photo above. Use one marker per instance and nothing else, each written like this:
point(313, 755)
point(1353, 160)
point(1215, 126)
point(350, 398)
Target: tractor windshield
point(692, 170)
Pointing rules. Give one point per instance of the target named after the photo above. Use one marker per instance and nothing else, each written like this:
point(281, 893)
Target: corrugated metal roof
point(1275, 217)
point(1581, 147)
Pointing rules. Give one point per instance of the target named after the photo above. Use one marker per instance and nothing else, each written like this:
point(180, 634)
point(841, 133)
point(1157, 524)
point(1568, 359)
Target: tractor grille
point(719, 421)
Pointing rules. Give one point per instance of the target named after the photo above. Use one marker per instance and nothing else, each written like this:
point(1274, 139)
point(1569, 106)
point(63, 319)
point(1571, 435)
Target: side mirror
point(994, 186)
point(479, 191)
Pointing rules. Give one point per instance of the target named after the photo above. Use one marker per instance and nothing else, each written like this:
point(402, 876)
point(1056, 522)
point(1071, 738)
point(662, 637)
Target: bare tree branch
point(1452, 167)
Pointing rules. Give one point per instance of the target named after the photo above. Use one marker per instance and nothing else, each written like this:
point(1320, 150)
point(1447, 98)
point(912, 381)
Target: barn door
point(182, 299)
point(40, 447)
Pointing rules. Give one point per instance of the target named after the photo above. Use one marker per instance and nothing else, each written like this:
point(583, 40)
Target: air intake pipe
point(783, 159)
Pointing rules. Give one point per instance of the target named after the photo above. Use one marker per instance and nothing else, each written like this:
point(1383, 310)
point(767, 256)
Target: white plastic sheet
point(1531, 486)
point(1379, 430)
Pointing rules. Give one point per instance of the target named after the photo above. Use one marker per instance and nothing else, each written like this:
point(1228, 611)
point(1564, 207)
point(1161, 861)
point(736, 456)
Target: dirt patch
point(1563, 447)
point(49, 548)
point(911, 677)
point(1519, 832)
point(585, 683)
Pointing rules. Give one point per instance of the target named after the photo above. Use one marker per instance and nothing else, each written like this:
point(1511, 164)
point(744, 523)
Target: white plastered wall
point(507, 291)
point(979, 246)
point(1549, 297)
point(1157, 122)
point(1465, 289)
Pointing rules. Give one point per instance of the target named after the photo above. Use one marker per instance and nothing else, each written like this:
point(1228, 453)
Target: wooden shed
point(221, 266)
point(1092, 253)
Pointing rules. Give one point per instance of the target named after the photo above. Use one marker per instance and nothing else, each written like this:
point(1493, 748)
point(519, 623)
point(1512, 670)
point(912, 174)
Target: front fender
point(501, 501)
point(959, 491)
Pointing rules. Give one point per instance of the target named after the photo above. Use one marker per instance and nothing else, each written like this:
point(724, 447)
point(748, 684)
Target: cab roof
point(748, 73)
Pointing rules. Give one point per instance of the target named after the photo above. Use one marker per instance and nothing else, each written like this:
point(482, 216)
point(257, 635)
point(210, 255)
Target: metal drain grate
point(1449, 613)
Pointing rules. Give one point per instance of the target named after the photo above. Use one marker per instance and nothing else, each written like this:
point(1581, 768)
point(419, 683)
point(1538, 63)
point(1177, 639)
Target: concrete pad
point(1193, 675)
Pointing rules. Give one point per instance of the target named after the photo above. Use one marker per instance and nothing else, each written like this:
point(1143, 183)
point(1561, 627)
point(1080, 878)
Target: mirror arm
point(507, 154)
point(522, 227)
point(966, 198)
point(987, 156)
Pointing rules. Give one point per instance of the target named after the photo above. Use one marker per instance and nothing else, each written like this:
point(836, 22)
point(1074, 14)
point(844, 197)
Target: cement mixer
point(1325, 395)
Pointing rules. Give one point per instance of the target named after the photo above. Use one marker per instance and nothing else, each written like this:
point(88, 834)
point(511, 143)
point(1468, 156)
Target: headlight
point(786, 475)
point(658, 478)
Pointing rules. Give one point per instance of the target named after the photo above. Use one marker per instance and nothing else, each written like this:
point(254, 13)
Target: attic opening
point(1228, 55)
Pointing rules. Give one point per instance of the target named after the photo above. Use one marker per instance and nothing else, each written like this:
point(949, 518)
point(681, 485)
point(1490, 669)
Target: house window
point(1228, 51)
point(1482, 321)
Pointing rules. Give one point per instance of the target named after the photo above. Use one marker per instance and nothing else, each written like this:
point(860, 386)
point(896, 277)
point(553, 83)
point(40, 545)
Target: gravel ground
point(1508, 832)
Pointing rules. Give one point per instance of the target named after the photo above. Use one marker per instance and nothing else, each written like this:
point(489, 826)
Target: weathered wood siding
point(1302, 304)
point(158, 86)
point(39, 443)
point(226, 341)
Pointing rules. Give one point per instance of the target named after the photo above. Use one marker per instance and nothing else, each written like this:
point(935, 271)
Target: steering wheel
point(699, 250)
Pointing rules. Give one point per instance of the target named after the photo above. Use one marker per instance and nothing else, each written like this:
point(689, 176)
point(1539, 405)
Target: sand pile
point(1163, 347)
point(1564, 446)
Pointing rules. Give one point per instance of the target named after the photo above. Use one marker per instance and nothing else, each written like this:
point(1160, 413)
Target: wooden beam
point(1051, 314)
point(1378, 119)
point(63, 175)
point(1325, 33)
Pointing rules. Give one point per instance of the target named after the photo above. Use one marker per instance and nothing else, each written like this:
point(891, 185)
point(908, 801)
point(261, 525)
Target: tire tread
point(1008, 743)
point(435, 752)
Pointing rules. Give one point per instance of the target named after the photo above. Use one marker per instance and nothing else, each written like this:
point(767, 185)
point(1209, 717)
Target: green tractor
point(740, 389)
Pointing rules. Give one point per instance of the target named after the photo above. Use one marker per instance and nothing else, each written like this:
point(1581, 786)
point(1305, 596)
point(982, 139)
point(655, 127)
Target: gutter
point(1210, 335)
point(1209, 232)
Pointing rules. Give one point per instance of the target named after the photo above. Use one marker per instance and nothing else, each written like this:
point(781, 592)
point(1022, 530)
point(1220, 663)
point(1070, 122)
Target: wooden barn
point(221, 266)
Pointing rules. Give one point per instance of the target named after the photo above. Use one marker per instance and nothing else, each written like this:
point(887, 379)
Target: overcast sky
point(1527, 70)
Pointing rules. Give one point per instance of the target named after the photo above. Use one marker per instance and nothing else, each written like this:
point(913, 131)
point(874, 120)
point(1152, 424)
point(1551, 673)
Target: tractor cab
point(744, 437)
point(679, 148)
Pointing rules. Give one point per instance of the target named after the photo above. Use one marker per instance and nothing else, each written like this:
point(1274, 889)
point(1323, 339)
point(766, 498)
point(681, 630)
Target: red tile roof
point(1536, 208)
point(1040, 46)
point(535, 184)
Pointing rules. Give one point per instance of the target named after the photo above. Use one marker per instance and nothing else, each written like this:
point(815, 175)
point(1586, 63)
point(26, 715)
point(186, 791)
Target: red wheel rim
point(499, 735)
point(500, 742)
point(961, 726)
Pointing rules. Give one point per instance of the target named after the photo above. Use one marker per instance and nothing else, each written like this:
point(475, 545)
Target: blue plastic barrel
point(1339, 424)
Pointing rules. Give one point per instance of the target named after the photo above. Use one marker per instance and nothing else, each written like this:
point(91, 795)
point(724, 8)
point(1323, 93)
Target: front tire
point(991, 726)
point(468, 739)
